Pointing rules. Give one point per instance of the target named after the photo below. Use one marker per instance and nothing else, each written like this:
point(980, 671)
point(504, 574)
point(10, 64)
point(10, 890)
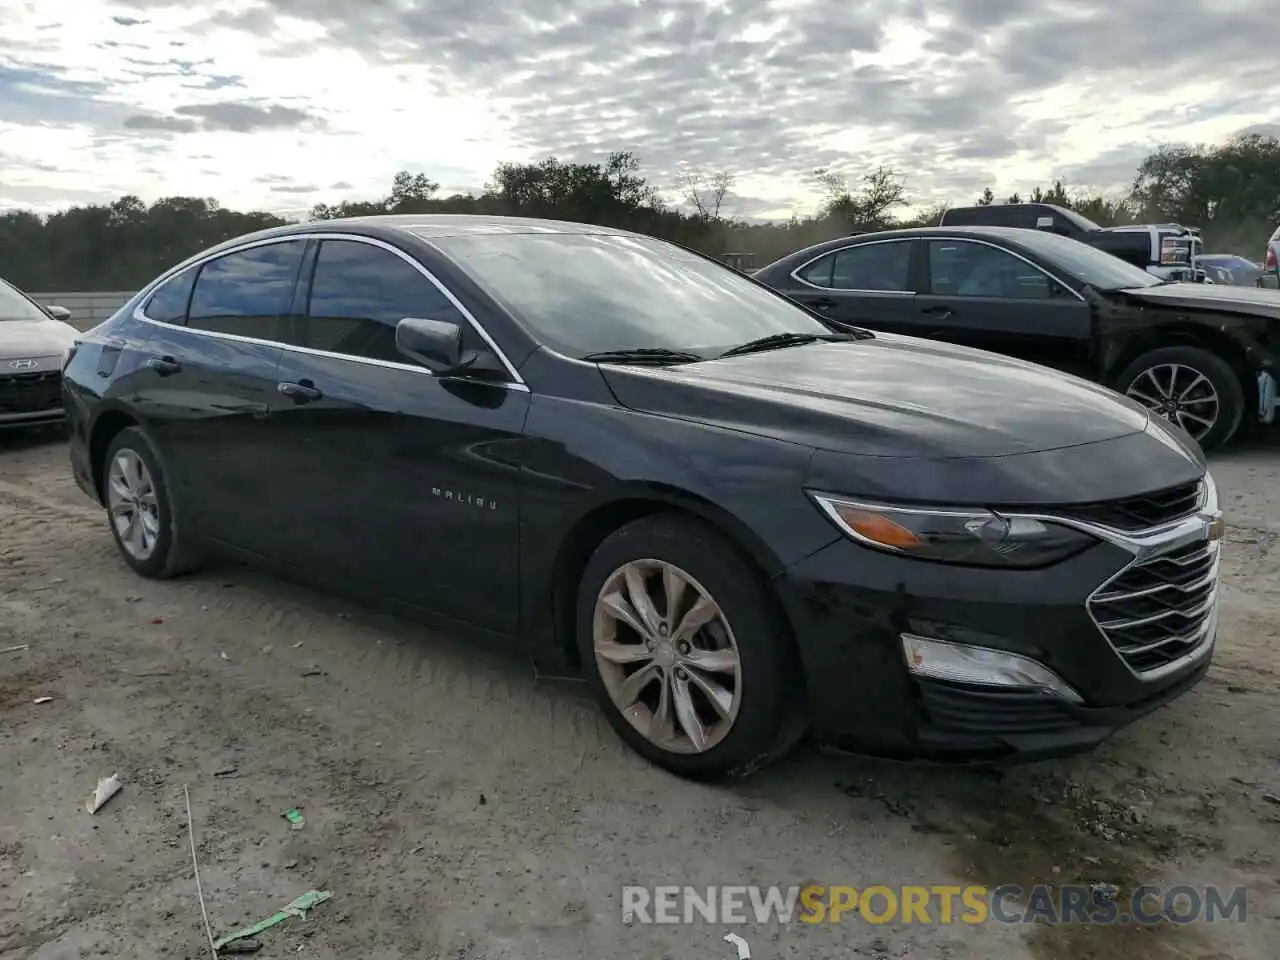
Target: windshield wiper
point(654, 355)
point(777, 341)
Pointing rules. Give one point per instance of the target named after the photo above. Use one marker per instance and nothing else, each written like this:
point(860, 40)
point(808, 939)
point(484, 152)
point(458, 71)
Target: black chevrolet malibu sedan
point(740, 521)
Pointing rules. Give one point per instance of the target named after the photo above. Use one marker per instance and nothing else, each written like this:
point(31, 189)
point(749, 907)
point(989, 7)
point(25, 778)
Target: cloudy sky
point(282, 103)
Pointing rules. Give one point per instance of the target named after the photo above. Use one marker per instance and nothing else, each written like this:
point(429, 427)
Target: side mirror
point(436, 344)
point(59, 313)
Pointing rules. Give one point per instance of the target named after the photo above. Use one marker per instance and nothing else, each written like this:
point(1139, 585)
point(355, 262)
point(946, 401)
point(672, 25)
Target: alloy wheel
point(667, 656)
point(1182, 395)
point(133, 505)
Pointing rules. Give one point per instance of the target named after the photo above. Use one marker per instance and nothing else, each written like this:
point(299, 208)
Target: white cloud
point(159, 98)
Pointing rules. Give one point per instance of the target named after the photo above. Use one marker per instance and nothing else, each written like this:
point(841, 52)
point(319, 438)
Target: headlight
point(968, 535)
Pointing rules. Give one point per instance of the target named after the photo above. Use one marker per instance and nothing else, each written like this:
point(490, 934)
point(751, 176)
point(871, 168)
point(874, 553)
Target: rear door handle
point(164, 365)
point(822, 303)
point(299, 392)
point(940, 312)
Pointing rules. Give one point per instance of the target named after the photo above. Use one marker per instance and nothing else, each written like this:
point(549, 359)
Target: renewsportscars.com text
point(934, 904)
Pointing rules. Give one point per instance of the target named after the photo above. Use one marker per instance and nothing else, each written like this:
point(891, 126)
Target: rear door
point(981, 295)
point(866, 284)
point(205, 378)
point(400, 482)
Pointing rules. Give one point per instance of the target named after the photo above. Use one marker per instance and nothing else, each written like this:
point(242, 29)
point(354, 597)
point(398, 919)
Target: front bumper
point(850, 607)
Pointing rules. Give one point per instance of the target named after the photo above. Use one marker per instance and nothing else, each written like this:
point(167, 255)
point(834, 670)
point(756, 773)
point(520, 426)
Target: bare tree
point(705, 192)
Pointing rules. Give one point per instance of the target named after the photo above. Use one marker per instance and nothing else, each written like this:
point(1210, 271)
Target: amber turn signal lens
point(877, 528)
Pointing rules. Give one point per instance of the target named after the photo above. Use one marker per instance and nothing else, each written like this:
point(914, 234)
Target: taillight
point(1271, 257)
point(1174, 250)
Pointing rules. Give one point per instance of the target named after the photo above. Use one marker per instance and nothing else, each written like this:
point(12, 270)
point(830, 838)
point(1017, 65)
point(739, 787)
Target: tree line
point(1231, 191)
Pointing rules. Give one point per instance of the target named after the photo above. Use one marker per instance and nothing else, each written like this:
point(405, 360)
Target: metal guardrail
point(88, 307)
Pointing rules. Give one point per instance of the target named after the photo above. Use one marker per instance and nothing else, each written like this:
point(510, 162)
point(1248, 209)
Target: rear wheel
point(692, 666)
point(1190, 387)
point(141, 511)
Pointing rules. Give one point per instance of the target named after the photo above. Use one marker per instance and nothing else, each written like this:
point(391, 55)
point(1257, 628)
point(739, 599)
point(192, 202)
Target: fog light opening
point(962, 663)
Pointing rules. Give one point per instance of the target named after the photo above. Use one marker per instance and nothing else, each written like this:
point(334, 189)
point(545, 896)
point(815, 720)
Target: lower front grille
point(31, 392)
point(1159, 609)
point(991, 711)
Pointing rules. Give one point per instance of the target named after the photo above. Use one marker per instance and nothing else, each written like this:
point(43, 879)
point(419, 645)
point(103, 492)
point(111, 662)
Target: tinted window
point(169, 303)
point(1087, 264)
point(584, 293)
point(247, 293)
point(960, 269)
point(869, 266)
point(15, 306)
point(360, 292)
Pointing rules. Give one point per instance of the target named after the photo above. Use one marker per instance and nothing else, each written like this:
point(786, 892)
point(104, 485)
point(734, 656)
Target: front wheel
point(1190, 387)
point(690, 662)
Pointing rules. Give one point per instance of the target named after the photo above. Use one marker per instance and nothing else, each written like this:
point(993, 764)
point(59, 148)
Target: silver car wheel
point(1182, 395)
point(667, 656)
point(132, 504)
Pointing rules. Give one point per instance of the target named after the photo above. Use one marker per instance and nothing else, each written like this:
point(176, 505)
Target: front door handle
point(822, 303)
point(164, 365)
point(940, 312)
point(299, 392)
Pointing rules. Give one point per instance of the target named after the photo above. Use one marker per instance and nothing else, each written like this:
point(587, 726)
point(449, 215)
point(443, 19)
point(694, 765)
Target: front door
point(980, 295)
point(866, 285)
point(400, 482)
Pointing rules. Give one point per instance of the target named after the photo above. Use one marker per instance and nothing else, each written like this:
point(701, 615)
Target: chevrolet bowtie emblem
point(1217, 528)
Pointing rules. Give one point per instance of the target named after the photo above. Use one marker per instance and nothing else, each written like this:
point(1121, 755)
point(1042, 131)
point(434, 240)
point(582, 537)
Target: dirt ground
point(458, 807)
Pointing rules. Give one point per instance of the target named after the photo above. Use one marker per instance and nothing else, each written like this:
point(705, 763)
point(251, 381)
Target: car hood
point(20, 339)
point(889, 396)
point(1217, 297)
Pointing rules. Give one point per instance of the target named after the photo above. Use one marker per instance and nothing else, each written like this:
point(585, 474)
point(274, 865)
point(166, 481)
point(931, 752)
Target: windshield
point(14, 306)
point(588, 293)
point(1079, 219)
point(1090, 265)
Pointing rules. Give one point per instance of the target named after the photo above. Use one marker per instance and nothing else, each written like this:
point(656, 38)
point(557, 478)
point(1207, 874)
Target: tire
point(172, 551)
point(767, 717)
point(1190, 363)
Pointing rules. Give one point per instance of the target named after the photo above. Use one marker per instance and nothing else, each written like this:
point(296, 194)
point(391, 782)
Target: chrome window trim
point(795, 274)
point(1013, 253)
point(516, 383)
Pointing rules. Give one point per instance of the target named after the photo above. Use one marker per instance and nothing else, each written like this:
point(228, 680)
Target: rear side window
point(247, 293)
point(168, 304)
point(881, 267)
point(360, 292)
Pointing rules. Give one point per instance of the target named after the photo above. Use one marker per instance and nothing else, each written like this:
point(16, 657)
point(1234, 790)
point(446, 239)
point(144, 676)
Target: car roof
point(1010, 234)
point(420, 227)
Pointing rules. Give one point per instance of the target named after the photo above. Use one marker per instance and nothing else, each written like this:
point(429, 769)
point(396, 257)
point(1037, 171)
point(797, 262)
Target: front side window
point(247, 293)
point(583, 293)
point(880, 267)
point(15, 306)
point(359, 294)
point(168, 304)
point(958, 268)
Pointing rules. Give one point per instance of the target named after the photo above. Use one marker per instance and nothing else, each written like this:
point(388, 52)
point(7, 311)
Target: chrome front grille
point(1141, 512)
point(1162, 607)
